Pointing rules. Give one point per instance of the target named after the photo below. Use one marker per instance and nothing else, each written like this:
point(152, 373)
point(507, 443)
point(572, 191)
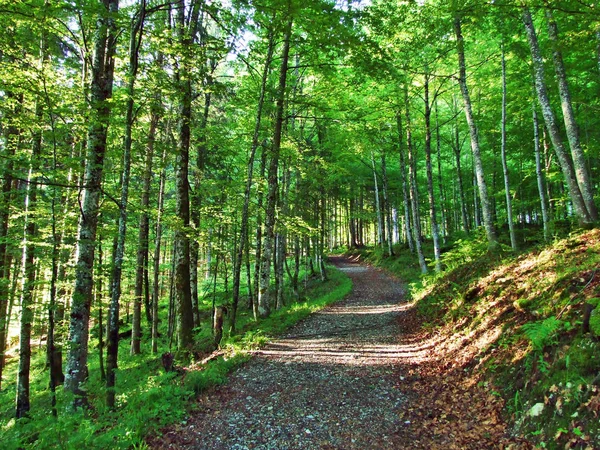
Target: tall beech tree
point(102, 69)
point(477, 160)
point(264, 307)
point(566, 164)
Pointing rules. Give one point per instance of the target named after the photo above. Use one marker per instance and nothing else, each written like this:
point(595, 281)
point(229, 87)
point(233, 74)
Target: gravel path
point(331, 382)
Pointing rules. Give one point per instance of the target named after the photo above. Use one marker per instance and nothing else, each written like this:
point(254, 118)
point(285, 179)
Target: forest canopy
point(164, 161)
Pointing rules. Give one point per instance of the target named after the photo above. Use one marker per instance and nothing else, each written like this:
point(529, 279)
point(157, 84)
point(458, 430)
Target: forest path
point(346, 377)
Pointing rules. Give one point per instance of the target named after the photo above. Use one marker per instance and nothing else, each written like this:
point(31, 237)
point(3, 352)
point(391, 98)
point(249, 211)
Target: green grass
point(147, 397)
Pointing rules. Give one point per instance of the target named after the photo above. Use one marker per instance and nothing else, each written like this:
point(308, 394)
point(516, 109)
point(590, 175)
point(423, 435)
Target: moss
point(595, 322)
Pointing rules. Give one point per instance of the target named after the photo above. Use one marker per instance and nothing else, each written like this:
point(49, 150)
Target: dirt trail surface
point(344, 378)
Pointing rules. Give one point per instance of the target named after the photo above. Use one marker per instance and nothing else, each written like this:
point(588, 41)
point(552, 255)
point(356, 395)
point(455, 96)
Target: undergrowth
point(521, 317)
point(148, 399)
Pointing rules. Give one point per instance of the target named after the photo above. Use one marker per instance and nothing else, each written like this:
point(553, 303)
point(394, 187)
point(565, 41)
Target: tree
point(468, 108)
point(100, 108)
point(266, 256)
point(565, 162)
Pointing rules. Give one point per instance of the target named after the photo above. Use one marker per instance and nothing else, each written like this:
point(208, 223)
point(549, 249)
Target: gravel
point(331, 382)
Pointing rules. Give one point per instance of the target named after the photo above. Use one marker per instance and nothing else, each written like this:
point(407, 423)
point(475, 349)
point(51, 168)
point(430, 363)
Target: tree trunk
point(249, 181)
point(259, 234)
point(156, 262)
point(11, 137)
point(438, 143)
point(405, 185)
point(264, 308)
point(572, 131)
point(565, 162)
point(457, 147)
point(435, 233)
point(282, 242)
point(509, 210)
point(377, 205)
point(182, 290)
point(144, 231)
point(197, 203)
point(477, 162)
point(540, 175)
point(27, 298)
point(112, 334)
point(101, 90)
point(416, 232)
point(386, 206)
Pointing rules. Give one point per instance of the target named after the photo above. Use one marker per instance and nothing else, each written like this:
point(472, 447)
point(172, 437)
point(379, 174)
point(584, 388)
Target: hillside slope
point(517, 326)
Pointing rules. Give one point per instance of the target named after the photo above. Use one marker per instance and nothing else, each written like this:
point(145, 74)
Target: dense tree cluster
point(150, 148)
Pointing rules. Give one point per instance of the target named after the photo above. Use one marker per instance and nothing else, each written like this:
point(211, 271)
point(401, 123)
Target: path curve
point(331, 382)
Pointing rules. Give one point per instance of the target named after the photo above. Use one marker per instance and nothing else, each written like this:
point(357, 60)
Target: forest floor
point(358, 374)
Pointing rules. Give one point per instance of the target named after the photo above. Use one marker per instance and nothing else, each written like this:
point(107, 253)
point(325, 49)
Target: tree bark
point(386, 206)
point(264, 308)
point(540, 175)
point(509, 209)
point(27, 298)
point(156, 262)
point(249, 181)
point(477, 162)
point(112, 349)
point(405, 185)
point(101, 90)
point(377, 205)
point(416, 232)
point(182, 290)
point(142, 257)
point(572, 130)
point(12, 138)
point(565, 162)
point(435, 233)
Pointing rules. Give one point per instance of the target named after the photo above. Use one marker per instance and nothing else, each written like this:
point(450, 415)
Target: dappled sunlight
point(359, 309)
point(315, 350)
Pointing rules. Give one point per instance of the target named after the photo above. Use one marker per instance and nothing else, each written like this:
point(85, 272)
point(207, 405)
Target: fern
point(542, 333)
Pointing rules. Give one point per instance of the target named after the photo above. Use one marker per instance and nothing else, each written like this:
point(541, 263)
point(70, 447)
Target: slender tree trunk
point(386, 205)
point(156, 262)
point(264, 308)
point(435, 233)
point(282, 242)
point(249, 182)
point(565, 162)
point(540, 175)
point(416, 232)
point(5, 263)
point(377, 205)
point(509, 210)
point(115, 287)
point(182, 290)
point(438, 143)
point(143, 234)
point(259, 234)
point(99, 288)
point(321, 238)
point(405, 184)
point(12, 138)
point(101, 90)
point(51, 348)
point(27, 299)
point(197, 203)
point(572, 130)
point(477, 162)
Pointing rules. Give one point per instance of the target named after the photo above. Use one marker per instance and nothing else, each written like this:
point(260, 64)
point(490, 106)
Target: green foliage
point(214, 374)
point(147, 398)
point(543, 332)
point(595, 322)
